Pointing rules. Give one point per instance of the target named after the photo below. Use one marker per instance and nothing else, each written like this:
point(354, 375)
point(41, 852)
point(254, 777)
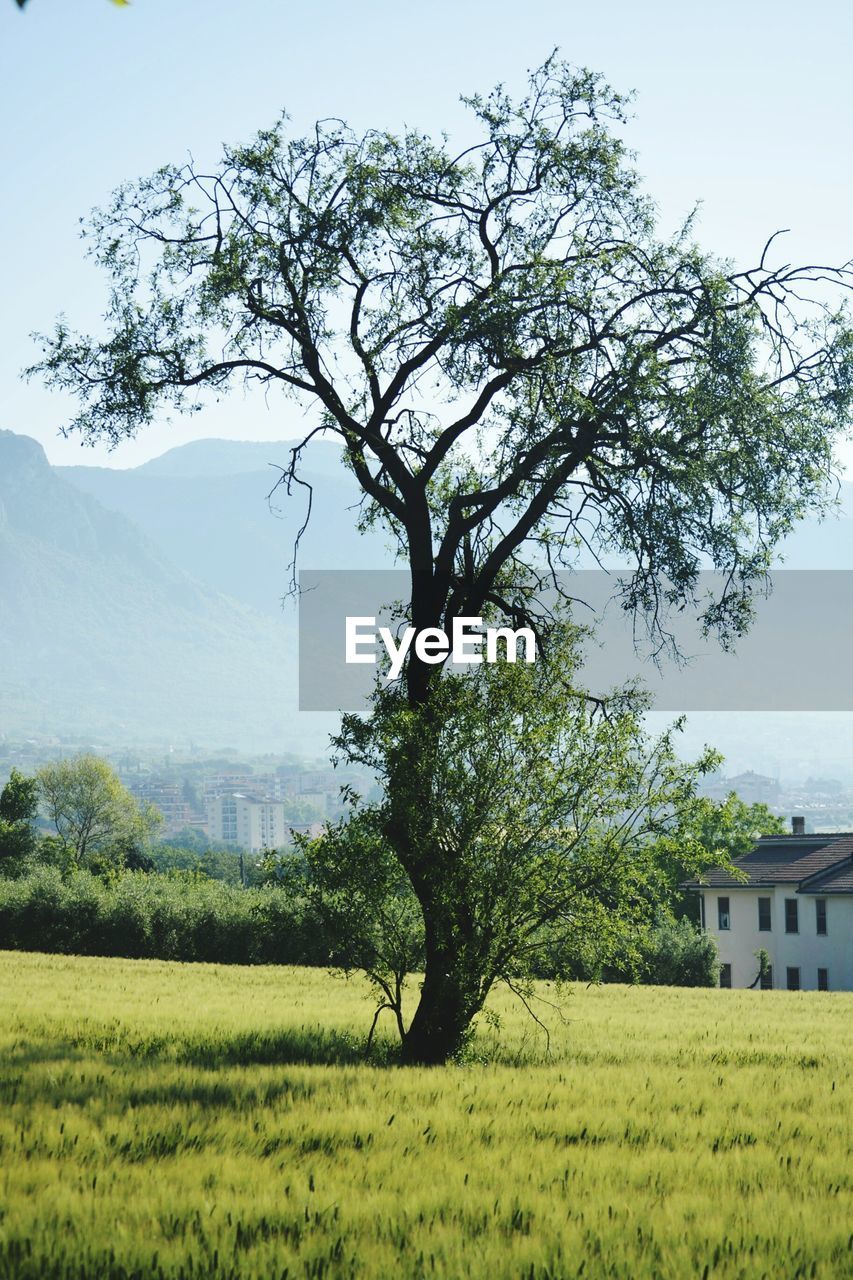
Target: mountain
point(101, 635)
point(229, 457)
point(147, 602)
point(207, 506)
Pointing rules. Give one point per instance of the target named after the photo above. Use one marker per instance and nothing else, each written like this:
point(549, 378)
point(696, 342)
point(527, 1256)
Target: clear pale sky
point(744, 105)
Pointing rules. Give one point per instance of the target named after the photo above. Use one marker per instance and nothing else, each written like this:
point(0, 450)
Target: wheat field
point(175, 1120)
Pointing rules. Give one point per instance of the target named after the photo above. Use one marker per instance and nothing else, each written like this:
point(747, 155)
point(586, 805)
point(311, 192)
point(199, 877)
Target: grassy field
point(176, 1120)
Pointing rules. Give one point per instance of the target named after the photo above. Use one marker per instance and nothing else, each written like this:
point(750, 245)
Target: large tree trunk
point(453, 987)
point(451, 996)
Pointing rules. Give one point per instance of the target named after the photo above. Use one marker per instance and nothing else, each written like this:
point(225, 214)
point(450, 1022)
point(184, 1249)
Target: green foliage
point(728, 829)
point(188, 838)
point(362, 901)
point(674, 953)
point(98, 823)
point(536, 818)
point(300, 809)
point(717, 831)
point(177, 917)
point(19, 799)
point(18, 810)
point(315, 908)
point(763, 958)
point(214, 864)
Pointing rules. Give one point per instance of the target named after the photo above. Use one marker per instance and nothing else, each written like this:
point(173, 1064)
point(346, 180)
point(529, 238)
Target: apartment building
point(246, 821)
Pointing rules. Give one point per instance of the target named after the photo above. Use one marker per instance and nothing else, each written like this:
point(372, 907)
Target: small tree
point(548, 809)
point(763, 958)
point(98, 823)
point(677, 954)
point(18, 811)
point(365, 906)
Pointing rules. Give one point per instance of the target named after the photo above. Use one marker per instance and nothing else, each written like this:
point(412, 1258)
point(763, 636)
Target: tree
point(516, 362)
point(544, 807)
point(362, 902)
point(18, 810)
point(677, 954)
point(98, 823)
point(729, 828)
point(723, 830)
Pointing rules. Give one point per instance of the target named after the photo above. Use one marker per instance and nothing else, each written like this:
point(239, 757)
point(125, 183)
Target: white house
point(796, 903)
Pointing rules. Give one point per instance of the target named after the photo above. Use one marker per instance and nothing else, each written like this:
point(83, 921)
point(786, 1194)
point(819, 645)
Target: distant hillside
point(205, 506)
point(229, 457)
point(122, 627)
point(100, 634)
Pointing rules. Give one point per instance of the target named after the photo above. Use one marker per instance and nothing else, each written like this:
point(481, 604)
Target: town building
point(753, 788)
point(795, 902)
point(247, 822)
point(169, 798)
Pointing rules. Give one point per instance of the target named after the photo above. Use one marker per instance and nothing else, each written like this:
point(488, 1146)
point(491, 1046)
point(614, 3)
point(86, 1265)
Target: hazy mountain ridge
point(115, 616)
point(206, 506)
point(101, 634)
point(215, 457)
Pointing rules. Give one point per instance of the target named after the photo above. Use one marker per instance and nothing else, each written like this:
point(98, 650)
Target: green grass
point(168, 1120)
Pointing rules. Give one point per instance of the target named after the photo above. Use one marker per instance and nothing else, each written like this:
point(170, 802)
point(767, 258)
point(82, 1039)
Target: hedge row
point(185, 917)
point(156, 917)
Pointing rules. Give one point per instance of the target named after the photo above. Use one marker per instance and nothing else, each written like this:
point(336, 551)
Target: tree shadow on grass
point(195, 1073)
point(303, 1046)
point(307, 1046)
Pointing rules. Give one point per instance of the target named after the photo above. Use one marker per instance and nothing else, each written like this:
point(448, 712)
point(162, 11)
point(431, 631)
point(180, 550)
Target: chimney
point(798, 826)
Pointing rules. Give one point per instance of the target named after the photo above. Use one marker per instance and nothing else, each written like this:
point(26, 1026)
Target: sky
point(743, 105)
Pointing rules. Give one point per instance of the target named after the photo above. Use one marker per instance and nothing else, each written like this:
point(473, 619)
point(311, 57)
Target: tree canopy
point(98, 822)
point(547, 813)
point(18, 812)
point(507, 347)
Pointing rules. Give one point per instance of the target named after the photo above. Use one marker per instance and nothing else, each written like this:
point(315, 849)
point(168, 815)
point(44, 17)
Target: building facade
point(795, 903)
point(247, 822)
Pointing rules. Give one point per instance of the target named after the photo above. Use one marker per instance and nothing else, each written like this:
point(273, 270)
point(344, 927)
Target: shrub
point(174, 917)
point(186, 916)
point(677, 954)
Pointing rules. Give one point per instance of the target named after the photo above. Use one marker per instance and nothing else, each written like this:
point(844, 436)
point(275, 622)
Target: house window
point(792, 922)
point(793, 979)
point(820, 914)
point(767, 979)
point(723, 916)
point(702, 909)
point(764, 925)
point(725, 974)
point(823, 979)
